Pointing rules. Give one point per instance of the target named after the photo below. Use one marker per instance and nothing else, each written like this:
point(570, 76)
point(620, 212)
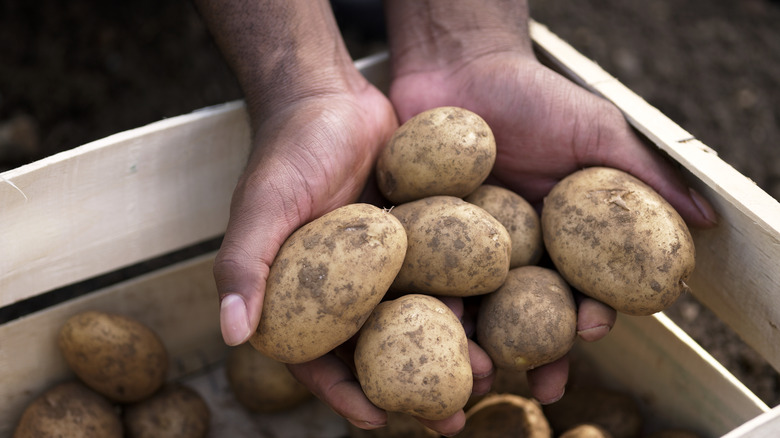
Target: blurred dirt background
point(72, 72)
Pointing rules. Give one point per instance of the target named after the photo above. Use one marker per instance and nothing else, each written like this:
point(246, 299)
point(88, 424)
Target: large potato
point(442, 151)
point(113, 354)
point(615, 239)
point(260, 383)
point(69, 409)
point(517, 216)
point(530, 321)
point(455, 248)
point(175, 411)
point(412, 357)
point(326, 279)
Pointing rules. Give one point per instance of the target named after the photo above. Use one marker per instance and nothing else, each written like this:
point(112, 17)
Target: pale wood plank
point(737, 275)
point(119, 200)
point(179, 303)
point(681, 384)
point(767, 425)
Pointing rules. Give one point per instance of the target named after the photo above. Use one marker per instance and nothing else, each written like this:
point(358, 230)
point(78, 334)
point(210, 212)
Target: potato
point(614, 238)
point(326, 279)
point(69, 409)
point(518, 217)
point(113, 354)
point(442, 151)
point(586, 431)
point(530, 321)
point(260, 383)
point(412, 357)
point(616, 412)
point(454, 248)
point(506, 415)
point(175, 411)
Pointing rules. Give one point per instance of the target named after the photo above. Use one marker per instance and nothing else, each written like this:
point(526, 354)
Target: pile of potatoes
point(120, 389)
point(377, 275)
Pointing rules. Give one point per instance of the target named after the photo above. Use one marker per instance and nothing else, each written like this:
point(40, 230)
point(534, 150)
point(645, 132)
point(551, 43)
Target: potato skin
point(614, 238)
point(455, 248)
point(69, 409)
point(530, 321)
point(175, 411)
point(506, 415)
point(441, 151)
point(260, 383)
point(518, 217)
point(412, 357)
point(326, 279)
point(113, 354)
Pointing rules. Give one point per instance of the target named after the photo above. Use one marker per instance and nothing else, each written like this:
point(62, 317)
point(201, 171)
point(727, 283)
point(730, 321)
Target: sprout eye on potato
point(614, 238)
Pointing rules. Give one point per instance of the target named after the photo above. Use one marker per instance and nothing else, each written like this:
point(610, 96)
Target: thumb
point(262, 214)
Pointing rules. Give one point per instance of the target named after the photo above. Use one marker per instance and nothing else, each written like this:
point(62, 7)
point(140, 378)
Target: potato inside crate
point(676, 382)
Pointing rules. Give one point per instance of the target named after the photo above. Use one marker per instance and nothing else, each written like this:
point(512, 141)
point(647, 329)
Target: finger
point(331, 381)
point(261, 218)
point(449, 426)
point(481, 368)
point(622, 148)
point(594, 319)
point(548, 382)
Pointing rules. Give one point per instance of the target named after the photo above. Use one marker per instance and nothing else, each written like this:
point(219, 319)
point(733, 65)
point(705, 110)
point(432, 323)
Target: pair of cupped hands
point(316, 151)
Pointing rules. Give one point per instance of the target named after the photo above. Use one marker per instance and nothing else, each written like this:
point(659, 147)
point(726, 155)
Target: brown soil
point(72, 72)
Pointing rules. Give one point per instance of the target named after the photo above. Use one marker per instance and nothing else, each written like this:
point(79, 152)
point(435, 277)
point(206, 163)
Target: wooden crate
point(140, 194)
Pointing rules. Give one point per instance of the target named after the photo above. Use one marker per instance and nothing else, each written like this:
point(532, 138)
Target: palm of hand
point(546, 127)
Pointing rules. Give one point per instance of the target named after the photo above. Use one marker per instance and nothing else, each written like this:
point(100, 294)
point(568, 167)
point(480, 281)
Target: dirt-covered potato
point(442, 151)
point(260, 383)
point(616, 412)
point(455, 248)
point(326, 279)
point(615, 239)
point(518, 217)
point(412, 357)
point(506, 415)
point(175, 411)
point(530, 321)
point(69, 409)
point(586, 431)
point(116, 355)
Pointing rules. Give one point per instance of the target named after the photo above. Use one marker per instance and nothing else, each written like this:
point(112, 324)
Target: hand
point(546, 127)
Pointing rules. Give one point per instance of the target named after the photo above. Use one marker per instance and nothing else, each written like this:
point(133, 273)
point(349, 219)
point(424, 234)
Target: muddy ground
point(72, 72)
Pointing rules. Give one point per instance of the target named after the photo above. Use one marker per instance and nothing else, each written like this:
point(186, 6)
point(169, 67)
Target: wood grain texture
point(119, 200)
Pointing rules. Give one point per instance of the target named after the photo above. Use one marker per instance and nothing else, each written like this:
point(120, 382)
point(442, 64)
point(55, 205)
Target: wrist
point(443, 35)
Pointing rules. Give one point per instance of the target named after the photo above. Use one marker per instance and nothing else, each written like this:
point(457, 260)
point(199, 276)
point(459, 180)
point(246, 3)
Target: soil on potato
point(72, 72)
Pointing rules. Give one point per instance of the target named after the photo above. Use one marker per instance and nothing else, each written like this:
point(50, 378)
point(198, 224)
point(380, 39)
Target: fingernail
point(703, 206)
point(554, 399)
point(234, 320)
point(593, 333)
point(366, 425)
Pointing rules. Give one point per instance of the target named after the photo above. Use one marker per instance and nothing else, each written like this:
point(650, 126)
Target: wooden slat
point(119, 200)
point(766, 425)
point(681, 384)
point(737, 274)
point(179, 303)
